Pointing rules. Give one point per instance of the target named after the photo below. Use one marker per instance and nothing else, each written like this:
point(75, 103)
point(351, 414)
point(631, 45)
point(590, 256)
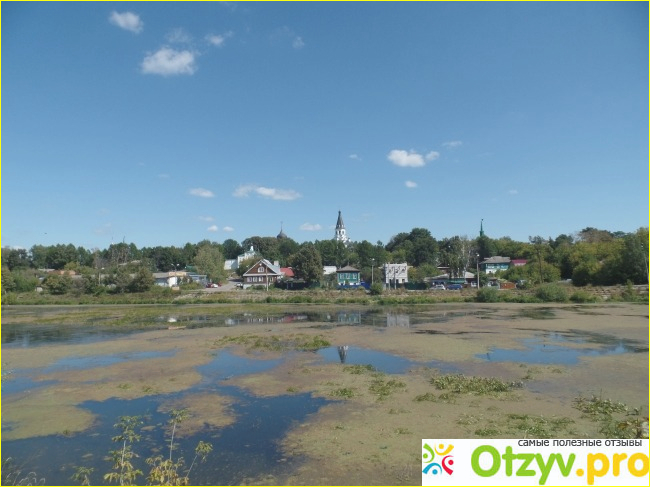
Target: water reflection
point(244, 450)
point(555, 348)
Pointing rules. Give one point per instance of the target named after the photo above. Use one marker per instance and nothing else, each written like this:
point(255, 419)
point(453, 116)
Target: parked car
point(438, 286)
point(454, 287)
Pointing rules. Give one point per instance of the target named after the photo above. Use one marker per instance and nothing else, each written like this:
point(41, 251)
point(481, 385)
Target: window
point(260, 269)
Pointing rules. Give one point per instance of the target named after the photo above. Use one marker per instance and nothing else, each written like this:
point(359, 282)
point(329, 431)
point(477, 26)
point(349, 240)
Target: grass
point(276, 343)
point(345, 392)
point(382, 386)
point(359, 369)
point(462, 384)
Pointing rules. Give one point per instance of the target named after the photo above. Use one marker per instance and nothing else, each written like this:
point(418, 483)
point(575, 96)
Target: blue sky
point(166, 123)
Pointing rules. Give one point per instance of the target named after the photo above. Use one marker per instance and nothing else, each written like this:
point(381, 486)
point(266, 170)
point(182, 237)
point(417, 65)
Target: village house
point(348, 276)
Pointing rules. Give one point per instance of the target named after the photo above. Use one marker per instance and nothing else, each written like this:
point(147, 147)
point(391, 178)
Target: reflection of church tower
point(343, 353)
point(339, 232)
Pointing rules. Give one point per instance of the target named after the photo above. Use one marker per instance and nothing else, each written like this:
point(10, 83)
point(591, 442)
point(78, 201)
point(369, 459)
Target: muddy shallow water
point(326, 395)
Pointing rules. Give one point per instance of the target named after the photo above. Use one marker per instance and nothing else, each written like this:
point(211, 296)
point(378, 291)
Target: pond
point(249, 447)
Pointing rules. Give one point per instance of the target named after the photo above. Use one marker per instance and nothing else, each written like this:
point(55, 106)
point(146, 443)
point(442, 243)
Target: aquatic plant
point(615, 418)
point(462, 384)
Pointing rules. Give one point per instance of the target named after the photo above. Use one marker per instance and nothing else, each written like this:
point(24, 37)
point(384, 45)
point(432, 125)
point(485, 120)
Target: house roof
point(497, 259)
point(287, 271)
point(272, 269)
point(519, 261)
point(348, 268)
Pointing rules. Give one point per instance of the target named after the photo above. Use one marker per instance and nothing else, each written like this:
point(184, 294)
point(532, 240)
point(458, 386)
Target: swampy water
point(70, 352)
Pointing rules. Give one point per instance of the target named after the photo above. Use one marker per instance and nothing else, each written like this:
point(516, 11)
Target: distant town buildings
point(396, 274)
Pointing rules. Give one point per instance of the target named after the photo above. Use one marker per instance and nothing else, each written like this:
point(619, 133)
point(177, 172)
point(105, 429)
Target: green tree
point(307, 263)
point(14, 258)
point(142, 281)
point(8, 282)
point(209, 260)
point(231, 249)
point(121, 279)
point(268, 247)
point(58, 284)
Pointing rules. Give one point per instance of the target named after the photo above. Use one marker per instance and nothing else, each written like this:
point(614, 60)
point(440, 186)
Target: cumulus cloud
point(403, 158)
point(201, 192)
point(452, 144)
point(127, 21)
point(411, 184)
point(513, 191)
point(228, 229)
point(167, 61)
point(218, 39)
point(354, 157)
point(213, 228)
point(264, 192)
point(206, 218)
point(311, 227)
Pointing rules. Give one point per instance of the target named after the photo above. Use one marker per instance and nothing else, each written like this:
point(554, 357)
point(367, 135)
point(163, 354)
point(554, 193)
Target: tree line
point(590, 256)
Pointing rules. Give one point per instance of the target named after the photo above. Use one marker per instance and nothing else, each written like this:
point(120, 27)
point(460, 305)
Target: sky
point(174, 122)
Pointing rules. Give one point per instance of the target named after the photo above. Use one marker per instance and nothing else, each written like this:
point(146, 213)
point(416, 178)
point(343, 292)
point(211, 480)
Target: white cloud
point(270, 193)
point(452, 144)
point(206, 218)
point(218, 39)
point(163, 175)
point(127, 21)
point(311, 227)
point(213, 228)
point(411, 184)
point(179, 36)
point(432, 156)
point(167, 61)
point(201, 192)
point(298, 43)
point(403, 158)
point(513, 191)
point(228, 229)
point(354, 157)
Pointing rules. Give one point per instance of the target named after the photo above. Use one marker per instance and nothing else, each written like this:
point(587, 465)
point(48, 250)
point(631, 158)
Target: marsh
point(329, 395)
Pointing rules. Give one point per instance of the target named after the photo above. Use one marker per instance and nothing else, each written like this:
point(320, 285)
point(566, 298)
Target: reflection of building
point(352, 318)
point(398, 320)
point(396, 274)
point(343, 353)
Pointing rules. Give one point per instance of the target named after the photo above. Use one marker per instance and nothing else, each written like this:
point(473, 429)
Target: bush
point(376, 289)
point(583, 297)
point(487, 295)
point(551, 293)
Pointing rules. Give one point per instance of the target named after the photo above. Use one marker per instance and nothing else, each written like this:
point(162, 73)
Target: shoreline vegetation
point(553, 292)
